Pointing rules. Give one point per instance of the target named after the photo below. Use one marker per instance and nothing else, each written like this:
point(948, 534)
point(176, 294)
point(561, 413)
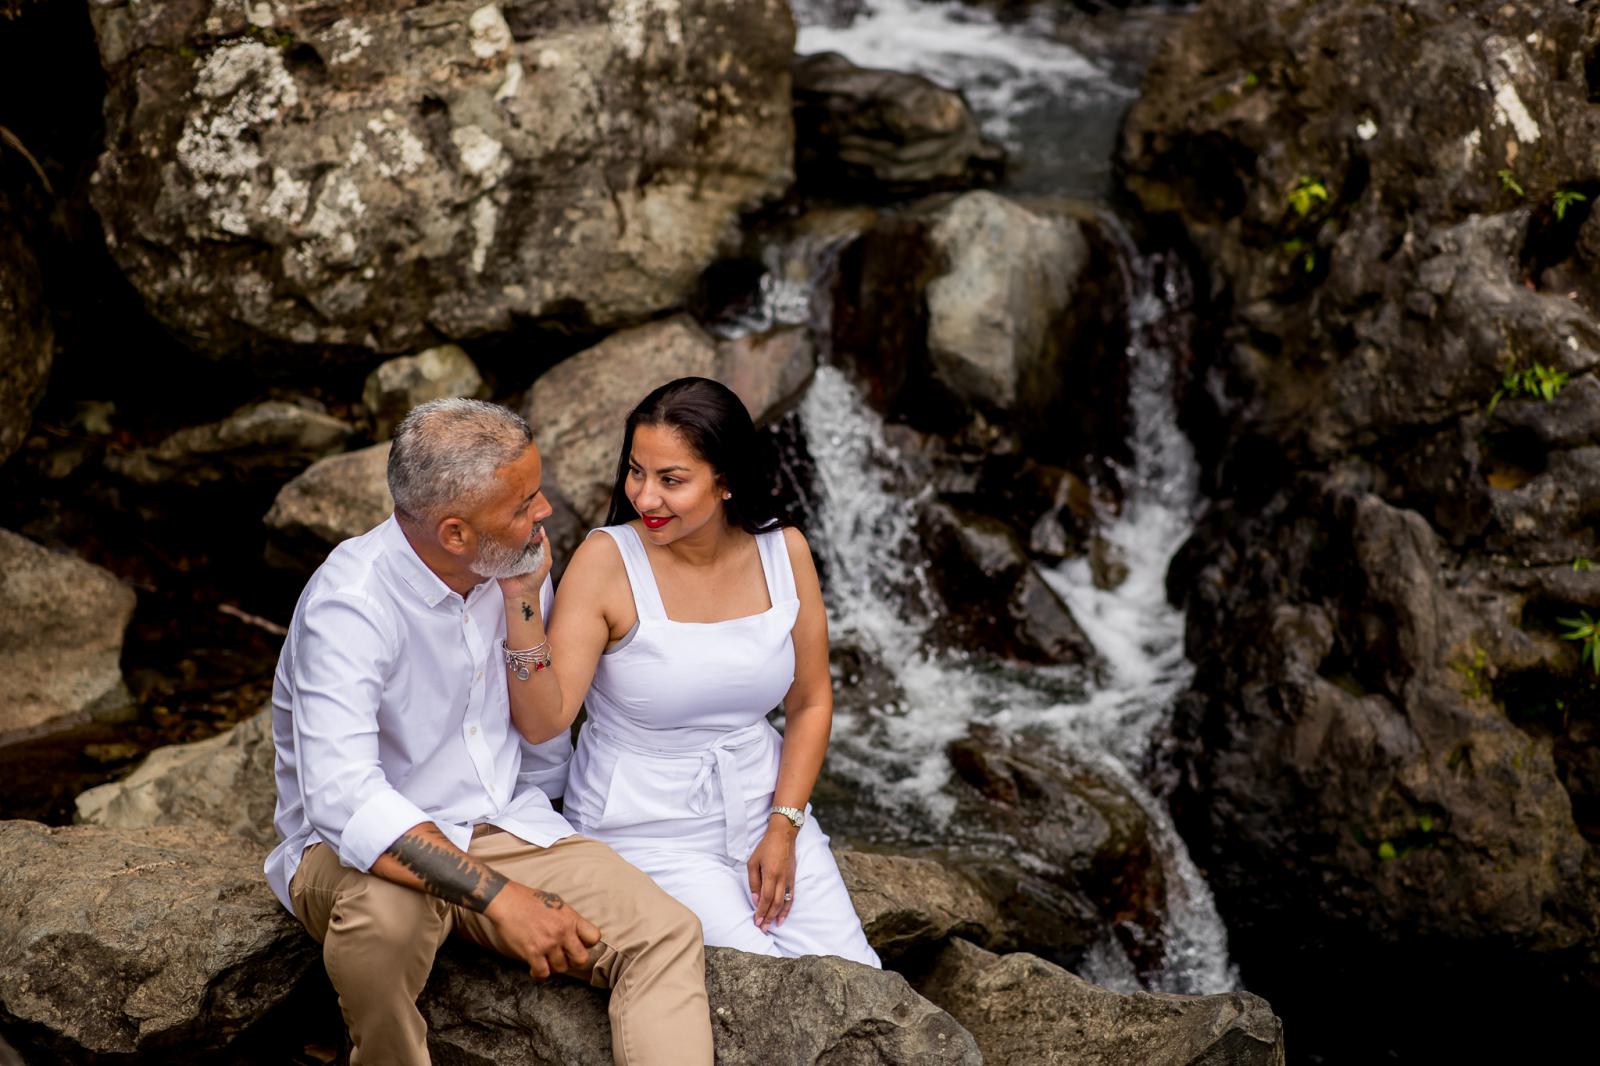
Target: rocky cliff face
point(1385, 751)
point(372, 177)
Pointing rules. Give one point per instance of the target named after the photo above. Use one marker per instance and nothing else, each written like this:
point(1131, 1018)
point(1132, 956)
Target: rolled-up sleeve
point(344, 649)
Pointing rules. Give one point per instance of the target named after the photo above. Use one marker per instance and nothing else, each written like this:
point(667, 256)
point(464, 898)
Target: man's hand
point(542, 930)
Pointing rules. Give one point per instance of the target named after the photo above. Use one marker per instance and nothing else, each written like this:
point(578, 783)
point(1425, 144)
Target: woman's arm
point(579, 627)
point(808, 719)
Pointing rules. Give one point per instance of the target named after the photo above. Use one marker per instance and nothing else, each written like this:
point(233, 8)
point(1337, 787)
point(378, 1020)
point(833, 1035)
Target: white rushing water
point(1045, 101)
point(1004, 68)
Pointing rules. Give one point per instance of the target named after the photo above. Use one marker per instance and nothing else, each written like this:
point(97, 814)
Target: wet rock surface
point(1024, 1011)
point(580, 164)
point(1383, 753)
point(883, 134)
point(61, 629)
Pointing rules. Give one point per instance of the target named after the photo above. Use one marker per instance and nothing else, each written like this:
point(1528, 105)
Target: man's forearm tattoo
point(527, 611)
point(451, 877)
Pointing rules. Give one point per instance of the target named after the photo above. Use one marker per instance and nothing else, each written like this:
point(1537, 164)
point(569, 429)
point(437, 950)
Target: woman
point(684, 621)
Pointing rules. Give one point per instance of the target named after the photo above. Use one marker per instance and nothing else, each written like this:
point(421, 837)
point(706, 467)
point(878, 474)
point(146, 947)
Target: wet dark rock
point(1383, 756)
point(482, 1010)
point(27, 338)
point(769, 371)
point(1024, 1011)
point(1063, 850)
point(398, 385)
point(863, 134)
point(375, 178)
point(147, 942)
point(995, 597)
point(62, 622)
point(273, 439)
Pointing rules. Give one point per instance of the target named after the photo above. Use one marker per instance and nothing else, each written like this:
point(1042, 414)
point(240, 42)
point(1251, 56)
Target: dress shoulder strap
point(646, 596)
point(775, 563)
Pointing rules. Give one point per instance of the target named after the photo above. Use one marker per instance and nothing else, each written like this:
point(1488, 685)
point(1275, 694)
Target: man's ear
point(455, 536)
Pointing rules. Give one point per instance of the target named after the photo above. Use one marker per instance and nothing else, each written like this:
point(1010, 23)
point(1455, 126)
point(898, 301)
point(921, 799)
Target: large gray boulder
point(223, 783)
point(398, 385)
point(272, 439)
point(1025, 1011)
point(765, 1011)
point(577, 409)
point(375, 177)
point(27, 339)
point(907, 903)
point(61, 625)
point(334, 499)
point(155, 942)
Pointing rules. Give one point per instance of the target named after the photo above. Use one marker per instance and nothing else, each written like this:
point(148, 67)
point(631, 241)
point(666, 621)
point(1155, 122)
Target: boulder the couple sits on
point(423, 703)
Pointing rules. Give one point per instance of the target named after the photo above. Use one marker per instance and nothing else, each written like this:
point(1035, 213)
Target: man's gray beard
point(497, 561)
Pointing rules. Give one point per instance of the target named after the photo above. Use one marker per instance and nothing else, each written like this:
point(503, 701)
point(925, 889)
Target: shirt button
point(472, 731)
point(478, 676)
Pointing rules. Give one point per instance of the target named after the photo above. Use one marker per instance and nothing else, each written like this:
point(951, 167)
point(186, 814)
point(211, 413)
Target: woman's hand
point(524, 588)
point(771, 869)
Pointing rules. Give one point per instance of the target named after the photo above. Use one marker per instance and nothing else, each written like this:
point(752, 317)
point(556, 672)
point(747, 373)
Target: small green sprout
point(1565, 198)
point(1585, 628)
point(1425, 822)
point(1306, 194)
point(1251, 80)
point(1538, 382)
point(1508, 181)
point(1582, 563)
point(1299, 246)
point(1386, 852)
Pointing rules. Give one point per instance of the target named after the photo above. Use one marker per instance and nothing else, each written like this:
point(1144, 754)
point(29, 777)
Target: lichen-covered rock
point(373, 176)
point(275, 438)
point(398, 385)
point(1025, 1011)
point(1063, 849)
point(149, 941)
point(810, 1011)
point(877, 134)
point(335, 499)
point(223, 783)
point(61, 626)
point(27, 339)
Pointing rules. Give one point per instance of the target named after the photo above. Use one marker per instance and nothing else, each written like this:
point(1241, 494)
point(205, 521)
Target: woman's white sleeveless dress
point(676, 764)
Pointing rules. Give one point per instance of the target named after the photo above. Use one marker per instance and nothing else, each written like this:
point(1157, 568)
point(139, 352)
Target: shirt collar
point(409, 565)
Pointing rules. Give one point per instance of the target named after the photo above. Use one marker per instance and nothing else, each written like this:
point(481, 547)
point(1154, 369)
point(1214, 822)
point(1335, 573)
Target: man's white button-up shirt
point(389, 708)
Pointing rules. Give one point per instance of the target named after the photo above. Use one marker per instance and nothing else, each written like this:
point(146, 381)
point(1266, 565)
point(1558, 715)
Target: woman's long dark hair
point(716, 426)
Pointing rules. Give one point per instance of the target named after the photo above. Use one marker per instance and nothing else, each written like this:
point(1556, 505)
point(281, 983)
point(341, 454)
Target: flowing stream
point(891, 749)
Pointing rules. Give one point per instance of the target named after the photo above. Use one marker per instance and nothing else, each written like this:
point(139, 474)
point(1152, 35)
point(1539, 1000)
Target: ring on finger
point(787, 896)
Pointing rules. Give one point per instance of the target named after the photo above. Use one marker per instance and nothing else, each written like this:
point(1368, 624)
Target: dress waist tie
point(719, 766)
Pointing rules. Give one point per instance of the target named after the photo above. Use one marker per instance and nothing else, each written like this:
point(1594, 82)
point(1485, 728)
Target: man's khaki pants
point(379, 938)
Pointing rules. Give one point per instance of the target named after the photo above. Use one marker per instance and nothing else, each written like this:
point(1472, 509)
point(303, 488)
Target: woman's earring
point(727, 495)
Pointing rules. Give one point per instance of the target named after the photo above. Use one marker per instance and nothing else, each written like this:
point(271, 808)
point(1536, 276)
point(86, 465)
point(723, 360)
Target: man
point(410, 808)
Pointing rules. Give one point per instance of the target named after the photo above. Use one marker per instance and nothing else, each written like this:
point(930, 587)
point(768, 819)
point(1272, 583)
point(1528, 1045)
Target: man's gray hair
point(445, 453)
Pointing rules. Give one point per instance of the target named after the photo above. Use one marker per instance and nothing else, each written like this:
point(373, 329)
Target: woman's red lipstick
point(651, 522)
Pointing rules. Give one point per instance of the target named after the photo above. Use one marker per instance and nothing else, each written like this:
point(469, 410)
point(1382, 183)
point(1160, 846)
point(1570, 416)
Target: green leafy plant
point(1251, 79)
point(1584, 628)
point(1582, 563)
point(1508, 181)
point(1538, 382)
point(1299, 246)
point(1306, 194)
point(1565, 198)
point(1386, 852)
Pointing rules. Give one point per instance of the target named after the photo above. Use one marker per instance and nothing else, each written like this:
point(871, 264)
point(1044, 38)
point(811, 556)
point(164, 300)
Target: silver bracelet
point(518, 662)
